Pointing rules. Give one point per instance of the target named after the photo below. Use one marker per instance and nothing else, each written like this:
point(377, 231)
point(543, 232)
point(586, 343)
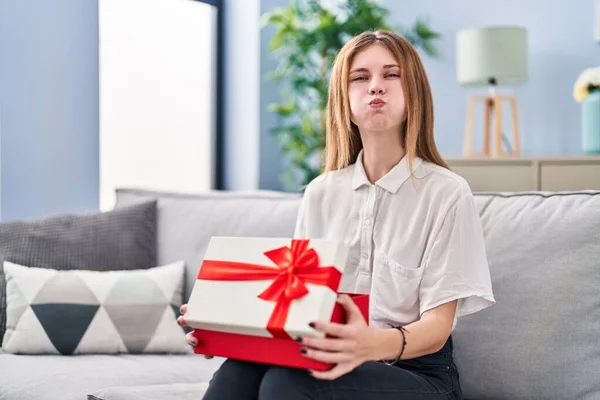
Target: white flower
point(588, 79)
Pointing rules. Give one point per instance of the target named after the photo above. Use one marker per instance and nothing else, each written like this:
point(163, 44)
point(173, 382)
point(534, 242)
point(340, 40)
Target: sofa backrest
point(540, 341)
point(542, 338)
point(186, 222)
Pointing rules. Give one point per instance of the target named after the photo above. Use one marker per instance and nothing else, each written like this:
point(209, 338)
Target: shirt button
point(368, 222)
point(365, 255)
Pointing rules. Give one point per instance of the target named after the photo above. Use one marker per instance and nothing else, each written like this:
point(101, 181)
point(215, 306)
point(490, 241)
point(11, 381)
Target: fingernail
point(299, 339)
point(312, 324)
point(303, 351)
point(195, 342)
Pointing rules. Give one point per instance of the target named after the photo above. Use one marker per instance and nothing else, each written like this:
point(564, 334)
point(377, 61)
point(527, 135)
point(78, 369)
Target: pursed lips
point(377, 102)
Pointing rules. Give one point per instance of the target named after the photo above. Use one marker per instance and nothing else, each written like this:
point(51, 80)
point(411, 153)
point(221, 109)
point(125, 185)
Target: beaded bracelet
point(402, 330)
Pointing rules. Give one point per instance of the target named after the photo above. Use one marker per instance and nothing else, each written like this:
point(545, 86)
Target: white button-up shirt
point(415, 241)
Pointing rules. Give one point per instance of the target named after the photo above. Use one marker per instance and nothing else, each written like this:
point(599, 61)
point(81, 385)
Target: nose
point(376, 88)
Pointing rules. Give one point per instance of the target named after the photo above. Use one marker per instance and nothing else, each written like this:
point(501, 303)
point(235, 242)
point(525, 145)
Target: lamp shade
point(486, 53)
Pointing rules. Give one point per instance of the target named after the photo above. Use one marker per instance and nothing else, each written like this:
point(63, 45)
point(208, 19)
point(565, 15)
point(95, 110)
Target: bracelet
point(402, 330)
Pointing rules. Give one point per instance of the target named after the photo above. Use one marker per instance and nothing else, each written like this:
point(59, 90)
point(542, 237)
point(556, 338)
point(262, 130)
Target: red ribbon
point(295, 266)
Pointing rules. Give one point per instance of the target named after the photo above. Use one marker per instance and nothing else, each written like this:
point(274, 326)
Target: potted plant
point(307, 37)
point(586, 91)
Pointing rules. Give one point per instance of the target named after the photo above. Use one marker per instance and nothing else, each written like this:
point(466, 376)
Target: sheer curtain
point(157, 67)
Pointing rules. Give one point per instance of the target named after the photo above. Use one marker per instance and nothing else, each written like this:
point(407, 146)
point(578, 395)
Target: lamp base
point(492, 116)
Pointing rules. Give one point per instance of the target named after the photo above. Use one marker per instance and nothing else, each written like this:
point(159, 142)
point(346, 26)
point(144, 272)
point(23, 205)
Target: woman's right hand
point(189, 337)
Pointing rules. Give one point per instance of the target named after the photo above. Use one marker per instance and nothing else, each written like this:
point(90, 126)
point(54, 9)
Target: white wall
point(157, 76)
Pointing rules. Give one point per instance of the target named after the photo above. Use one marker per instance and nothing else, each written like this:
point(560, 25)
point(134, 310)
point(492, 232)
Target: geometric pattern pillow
point(52, 311)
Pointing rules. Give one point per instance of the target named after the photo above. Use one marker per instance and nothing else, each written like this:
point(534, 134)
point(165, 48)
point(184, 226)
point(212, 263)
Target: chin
point(379, 123)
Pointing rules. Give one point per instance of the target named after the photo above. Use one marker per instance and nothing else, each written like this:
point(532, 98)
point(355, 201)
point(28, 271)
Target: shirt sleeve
point(300, 231)
point(456, 267)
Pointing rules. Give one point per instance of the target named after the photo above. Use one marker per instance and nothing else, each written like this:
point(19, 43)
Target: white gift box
point(246, 284)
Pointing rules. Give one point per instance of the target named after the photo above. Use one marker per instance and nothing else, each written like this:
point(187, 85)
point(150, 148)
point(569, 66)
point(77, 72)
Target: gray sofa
point(540, 341)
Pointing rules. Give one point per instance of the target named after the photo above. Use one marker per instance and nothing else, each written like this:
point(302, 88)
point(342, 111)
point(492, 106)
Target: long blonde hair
point(343, 142)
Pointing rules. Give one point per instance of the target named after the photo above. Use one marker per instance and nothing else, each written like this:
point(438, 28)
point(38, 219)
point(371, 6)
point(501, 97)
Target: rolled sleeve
point(300, 228)
point(456, 267)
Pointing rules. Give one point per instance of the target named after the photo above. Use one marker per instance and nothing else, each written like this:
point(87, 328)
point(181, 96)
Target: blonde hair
point(342, 141)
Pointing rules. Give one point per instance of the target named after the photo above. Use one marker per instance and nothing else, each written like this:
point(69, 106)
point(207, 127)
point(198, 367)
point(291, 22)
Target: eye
point(393, 76)
point(359, 78)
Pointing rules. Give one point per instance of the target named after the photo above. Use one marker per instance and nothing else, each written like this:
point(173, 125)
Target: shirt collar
point(390, 181)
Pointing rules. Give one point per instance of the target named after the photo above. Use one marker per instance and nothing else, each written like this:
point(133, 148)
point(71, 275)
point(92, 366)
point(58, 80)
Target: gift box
point(254, 296)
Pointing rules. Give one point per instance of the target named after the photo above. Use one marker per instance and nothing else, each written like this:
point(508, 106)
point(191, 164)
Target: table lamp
point(492, 56)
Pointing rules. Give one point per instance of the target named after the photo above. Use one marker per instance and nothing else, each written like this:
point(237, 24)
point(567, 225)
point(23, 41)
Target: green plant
point(307, 37)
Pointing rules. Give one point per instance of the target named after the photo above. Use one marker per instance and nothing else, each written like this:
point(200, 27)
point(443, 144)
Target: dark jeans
point(431, 377)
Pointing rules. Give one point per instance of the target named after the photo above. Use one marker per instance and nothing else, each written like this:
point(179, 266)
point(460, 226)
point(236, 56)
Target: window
point(160, 114)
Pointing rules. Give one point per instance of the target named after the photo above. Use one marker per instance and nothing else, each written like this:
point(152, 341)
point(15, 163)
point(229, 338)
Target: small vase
point(590, 123)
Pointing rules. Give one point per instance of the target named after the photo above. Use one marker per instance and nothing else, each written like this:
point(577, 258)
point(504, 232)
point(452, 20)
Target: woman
point(415, 237)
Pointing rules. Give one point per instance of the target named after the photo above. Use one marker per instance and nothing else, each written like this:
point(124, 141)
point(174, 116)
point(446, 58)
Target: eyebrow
point(387, 66)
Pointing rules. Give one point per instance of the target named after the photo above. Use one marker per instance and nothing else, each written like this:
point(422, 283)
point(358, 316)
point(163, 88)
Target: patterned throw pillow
point(104, 312)
point(120, 239)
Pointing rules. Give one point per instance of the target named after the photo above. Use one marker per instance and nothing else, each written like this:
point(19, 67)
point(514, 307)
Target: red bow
point(296, 266)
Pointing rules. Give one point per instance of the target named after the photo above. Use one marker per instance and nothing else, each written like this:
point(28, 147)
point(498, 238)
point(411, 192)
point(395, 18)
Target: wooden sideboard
point(529, 173)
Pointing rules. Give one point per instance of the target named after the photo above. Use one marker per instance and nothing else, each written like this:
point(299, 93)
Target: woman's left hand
point(352, 343)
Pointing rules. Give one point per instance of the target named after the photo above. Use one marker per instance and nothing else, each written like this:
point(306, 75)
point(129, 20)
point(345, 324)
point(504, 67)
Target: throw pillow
point(121, 239)
point(103, 312)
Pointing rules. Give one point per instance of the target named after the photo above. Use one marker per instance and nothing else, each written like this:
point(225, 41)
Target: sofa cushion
point(541, 340)
point(52, 377)
point(115, 240)
point(186, 222)
point(174, 391)
point(82, 312)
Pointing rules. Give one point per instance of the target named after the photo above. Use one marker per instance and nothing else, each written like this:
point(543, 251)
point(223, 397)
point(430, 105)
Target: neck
point(382, 151)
